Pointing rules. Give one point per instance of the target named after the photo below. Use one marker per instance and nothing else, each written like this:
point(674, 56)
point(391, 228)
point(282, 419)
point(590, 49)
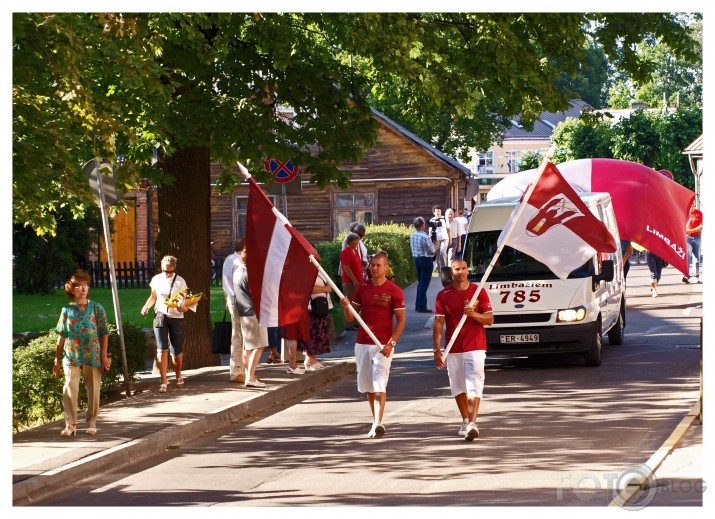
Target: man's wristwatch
point(392, 343)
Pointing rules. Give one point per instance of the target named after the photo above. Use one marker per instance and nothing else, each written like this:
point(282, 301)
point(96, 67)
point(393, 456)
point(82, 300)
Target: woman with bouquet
point(169, 320)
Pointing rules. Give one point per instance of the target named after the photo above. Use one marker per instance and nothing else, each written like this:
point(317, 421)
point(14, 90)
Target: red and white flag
point(651, 209)
point(555, 226)
point(280, 275)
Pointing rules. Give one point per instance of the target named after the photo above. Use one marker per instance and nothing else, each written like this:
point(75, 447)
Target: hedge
point(37, 394)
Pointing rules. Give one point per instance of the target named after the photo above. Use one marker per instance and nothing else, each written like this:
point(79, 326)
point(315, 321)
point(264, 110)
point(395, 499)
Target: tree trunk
point(185, 232)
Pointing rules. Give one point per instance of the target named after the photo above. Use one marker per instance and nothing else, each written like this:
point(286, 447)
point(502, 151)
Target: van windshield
point(511, 264)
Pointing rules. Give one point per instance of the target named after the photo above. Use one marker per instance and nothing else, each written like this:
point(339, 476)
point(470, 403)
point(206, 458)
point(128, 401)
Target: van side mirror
point(445, 275)
point(607, 272)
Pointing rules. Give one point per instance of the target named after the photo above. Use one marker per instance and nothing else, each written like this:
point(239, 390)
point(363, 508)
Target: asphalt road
point(553, 432)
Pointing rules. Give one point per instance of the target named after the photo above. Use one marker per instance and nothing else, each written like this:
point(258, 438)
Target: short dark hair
point(80, 276)
point(434, 207)
point(240, 244)
point(352, 237)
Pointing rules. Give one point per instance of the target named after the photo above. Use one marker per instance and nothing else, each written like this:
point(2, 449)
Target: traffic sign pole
point(113, 278)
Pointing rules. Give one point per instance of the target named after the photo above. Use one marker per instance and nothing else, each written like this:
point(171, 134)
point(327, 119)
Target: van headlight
point(571, 314)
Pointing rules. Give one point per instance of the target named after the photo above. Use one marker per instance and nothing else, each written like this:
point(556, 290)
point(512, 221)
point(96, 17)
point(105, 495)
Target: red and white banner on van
point(555, 226)
point(650, 209)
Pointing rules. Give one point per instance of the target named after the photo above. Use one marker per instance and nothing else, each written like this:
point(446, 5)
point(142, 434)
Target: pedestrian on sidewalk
point(169, 329)
point(81, 348)
point(465, 362)
point(230, 264)
point(422, 251)
point(351, 265)
point(294, 333)
point(461, 219)
point(255, 336)
point(454, 247)
point(693, 229)
point(439, 233)
point(380, 303)
point(656, 264)
point(319, 343)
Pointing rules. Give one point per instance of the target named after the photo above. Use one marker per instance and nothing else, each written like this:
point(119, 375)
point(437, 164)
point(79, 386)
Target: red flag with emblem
point(555, 226)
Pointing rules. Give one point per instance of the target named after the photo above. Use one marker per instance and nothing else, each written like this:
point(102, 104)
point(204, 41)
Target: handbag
point(159, 317)
point(222, 336)
point(159, 320)
point(319, 306)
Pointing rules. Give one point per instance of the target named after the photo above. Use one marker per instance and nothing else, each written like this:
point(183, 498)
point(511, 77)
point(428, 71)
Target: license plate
point(522, 337)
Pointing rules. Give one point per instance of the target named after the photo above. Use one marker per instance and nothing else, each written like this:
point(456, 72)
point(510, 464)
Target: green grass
point(39, 313)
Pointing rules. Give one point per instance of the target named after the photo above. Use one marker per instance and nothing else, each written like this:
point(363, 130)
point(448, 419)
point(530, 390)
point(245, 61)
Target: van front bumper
point(571, 338)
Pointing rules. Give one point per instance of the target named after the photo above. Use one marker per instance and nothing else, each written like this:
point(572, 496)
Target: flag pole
point(316, 263)
point(522, 206)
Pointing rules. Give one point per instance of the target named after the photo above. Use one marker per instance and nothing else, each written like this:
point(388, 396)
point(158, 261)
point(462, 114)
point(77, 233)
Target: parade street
point(553, 432)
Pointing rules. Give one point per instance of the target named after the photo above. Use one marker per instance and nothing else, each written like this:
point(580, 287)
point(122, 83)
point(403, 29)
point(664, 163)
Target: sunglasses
point(169, 271)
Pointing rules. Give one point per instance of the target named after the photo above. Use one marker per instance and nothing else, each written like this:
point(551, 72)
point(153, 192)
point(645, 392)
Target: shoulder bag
point(160, 317)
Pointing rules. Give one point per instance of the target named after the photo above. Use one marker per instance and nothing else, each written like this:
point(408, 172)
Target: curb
point(655, 461)
point(56, 480)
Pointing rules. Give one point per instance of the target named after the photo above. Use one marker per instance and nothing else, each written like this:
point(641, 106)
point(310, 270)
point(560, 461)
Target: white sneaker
point(472, 432)
point(654, 292)
point(463, 429)
point(379, 430)
point(693, 279)
point(371, 434)
point(255, 383)
point(294, 371)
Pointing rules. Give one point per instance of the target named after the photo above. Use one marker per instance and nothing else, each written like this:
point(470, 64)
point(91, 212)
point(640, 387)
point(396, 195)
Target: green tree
point(201, 88)
point(585, 137)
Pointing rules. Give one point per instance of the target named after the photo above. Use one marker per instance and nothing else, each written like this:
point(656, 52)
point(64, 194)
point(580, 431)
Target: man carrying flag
point(379, 302)
point(465, 365)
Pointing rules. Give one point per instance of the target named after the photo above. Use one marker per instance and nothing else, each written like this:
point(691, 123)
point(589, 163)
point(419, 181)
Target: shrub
point(37, 394)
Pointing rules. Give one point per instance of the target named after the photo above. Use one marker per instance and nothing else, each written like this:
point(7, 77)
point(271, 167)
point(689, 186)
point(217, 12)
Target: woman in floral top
point(81, 348)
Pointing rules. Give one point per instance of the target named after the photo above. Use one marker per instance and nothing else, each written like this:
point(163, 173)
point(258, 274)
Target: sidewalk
point(132, 429)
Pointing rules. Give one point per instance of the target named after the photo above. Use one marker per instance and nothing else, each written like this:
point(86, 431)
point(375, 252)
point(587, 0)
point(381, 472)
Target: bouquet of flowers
point(183, 298)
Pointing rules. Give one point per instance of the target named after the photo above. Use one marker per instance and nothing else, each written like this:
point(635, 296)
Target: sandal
point(69, 430)
point(162, 388)
point(91, 431)
point(180, 381)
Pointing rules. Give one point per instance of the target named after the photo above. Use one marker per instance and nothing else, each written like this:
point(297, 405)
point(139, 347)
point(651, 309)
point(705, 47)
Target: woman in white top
point(170, 336)
point(455, 245)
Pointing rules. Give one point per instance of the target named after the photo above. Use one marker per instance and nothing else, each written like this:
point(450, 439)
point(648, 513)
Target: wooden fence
point(132, 274)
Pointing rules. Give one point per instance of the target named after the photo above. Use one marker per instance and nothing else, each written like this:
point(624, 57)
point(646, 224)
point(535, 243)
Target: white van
point(535, 312)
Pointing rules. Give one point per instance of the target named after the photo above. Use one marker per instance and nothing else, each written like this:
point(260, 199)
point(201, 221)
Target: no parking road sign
point(282, 172)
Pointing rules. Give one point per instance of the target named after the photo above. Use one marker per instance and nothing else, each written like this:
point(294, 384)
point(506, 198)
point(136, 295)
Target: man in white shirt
point(230, 264)
point(463, 228)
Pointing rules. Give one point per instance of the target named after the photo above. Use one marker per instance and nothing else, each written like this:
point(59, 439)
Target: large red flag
point(651, 209)
point(280, 275)
point(554, 226)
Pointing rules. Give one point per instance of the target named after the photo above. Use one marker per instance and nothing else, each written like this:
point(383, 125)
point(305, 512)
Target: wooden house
point(398, 179)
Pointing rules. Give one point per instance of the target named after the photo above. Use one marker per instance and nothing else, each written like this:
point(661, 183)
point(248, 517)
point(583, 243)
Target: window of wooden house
point(353, 207)
point(241, 211)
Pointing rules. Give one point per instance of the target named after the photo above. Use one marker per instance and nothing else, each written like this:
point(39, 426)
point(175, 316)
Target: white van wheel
point(616, 334)
point(594, 354)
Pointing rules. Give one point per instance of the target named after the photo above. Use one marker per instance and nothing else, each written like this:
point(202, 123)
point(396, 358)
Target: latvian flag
point(280, 275)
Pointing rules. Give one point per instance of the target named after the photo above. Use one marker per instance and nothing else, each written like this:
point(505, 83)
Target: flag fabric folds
point(650, 209)
point(280, 274)
point(556, 227)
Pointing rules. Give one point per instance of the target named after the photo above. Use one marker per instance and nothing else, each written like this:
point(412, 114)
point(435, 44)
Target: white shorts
point(254, 335)
point(466, 373)
point(373, 368)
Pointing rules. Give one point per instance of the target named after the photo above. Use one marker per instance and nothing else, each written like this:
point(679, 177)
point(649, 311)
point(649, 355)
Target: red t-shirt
point(696, 218)
point(377, 309)
point(351, 258)
point(450, 303)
